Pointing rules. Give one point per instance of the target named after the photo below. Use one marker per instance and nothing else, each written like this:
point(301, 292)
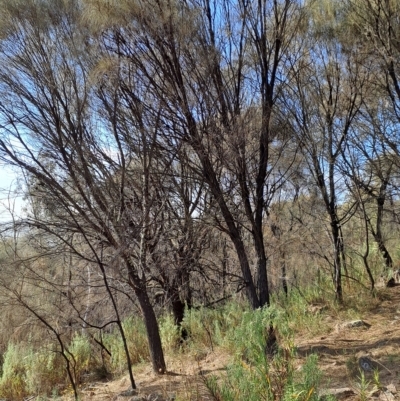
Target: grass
point(137, 344)
point(27, 371)
point(232, 327)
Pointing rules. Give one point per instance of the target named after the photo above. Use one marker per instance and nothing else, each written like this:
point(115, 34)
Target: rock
point(367, 364)
point(386, 396)
point(128, 393)
point(353, 324)
point(392, 388)
point(338, 393)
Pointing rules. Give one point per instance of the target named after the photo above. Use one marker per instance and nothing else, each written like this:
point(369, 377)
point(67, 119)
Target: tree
point(216, 70)
point(376, 23)
point(323, 103)
point(370, 168)
point(80, 162)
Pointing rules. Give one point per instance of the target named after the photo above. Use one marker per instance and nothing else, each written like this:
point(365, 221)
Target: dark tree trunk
point(153, 333)
point(233, 231)
point(283, 272)
point(263, 290)
point(377, 234)
point(180, 296)
point(338, 250)
point(245, 267)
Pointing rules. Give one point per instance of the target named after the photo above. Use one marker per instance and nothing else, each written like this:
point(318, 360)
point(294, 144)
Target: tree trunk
point(263, 290)
point(338, 249)
point(283, 272)
point(245, 267)
point(181, 297)
point(378, 233)
point(153, 333)
point(233, 231)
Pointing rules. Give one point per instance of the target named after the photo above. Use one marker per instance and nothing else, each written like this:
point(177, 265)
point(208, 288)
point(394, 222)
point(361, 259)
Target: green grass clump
point(254, 375)
point(169, 333)
point(208, 328)
point(136, 337)
point(81, 351)
point(27, 371)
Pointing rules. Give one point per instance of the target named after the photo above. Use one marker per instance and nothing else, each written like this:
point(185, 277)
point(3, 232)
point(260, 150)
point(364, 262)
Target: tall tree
point(51, 130)
point(216, 68)
point(323, 104)
point(376, 24)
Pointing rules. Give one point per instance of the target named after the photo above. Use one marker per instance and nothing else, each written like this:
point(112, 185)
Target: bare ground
point(338, 352)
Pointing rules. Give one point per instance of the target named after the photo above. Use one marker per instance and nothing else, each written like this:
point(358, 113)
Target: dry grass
point(338, 352)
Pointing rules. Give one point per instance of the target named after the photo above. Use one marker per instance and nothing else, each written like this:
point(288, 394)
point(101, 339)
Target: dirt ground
point(338, 350)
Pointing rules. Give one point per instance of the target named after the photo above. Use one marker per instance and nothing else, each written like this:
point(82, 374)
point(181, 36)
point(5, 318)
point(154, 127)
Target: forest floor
point(339, 350)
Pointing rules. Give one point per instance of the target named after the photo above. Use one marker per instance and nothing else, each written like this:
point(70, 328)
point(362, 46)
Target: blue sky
point(8, 193)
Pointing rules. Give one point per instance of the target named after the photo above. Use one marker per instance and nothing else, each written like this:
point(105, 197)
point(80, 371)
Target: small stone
point(386, 396)
point(353, 324)
point(337, 392)
point(367, 365)
point(128, 393)
point(392, 388)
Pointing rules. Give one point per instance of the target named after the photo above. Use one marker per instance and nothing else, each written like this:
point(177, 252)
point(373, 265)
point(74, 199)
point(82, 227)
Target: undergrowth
point(242, 333)
point(256, 375)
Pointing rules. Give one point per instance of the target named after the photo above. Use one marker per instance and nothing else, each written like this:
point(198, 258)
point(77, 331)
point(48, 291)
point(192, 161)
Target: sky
point(9, 199)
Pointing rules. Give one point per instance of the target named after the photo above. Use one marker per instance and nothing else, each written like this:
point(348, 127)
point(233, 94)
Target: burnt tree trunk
point(284, 273)
point(338, 253)
point(180, 296)
point(138, 284)
point(377, 233)
point(153, 333)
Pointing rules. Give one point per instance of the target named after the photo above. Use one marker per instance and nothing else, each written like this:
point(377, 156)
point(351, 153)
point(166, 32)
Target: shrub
point(28, 371)
point(12, 382)
point(136, 337)
point(169, 333)
point(81, 350)
point(255, 376)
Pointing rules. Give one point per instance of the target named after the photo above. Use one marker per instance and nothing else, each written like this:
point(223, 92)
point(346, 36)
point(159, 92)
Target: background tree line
point(173, 153)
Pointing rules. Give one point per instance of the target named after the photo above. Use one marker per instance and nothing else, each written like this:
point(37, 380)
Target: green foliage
point(136, 337)
point(208, 328)
point(169, 333)
point(12, 382)
point(29, 371)
point(81, 350)
point(255, 376)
